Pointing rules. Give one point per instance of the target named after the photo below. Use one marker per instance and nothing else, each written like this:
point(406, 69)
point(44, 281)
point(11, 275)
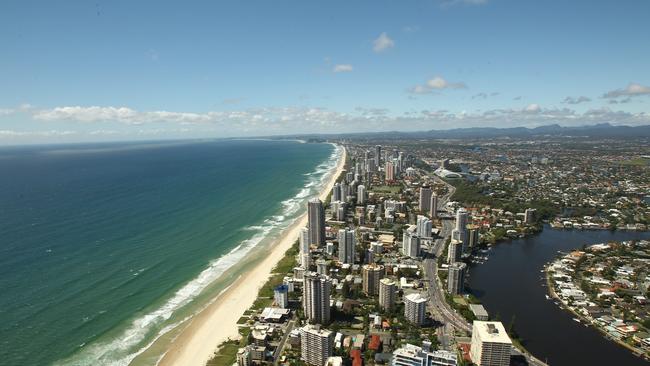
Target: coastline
point(217, 323)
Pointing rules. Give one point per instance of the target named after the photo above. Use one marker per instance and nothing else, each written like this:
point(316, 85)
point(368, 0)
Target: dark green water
point(103, 248)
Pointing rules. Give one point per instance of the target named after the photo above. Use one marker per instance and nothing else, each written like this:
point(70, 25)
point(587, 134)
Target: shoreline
point(550, 285)
point(217, 323)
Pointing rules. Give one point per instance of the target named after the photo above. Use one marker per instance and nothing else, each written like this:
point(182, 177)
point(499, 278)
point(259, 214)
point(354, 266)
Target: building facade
point(425, 199)
point(316, 298)
point(456, 278)
point(347, 242)
point(415, 308)
point(316, 345)
point(387, 293)
point(316, 222)
point(372, 274)
point(490, 344)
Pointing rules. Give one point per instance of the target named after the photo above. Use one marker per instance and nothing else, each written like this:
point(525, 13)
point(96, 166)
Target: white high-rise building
point(490, 344)
point(433, 207)
point(460, 231)
point(415, 308)
point(281, 296)
point(316, 298)
point(410, 355)
point(347, 242)
point(529, 216)
point(454, 251)
point(371, 275)
point(424, 227)
point(456, 278)
point(410, 244)
point(387, 293)
point(425, 198)
point(461, 219)
point(316, 345)
point(316, 222)
point(361, 194)
point(304, 248)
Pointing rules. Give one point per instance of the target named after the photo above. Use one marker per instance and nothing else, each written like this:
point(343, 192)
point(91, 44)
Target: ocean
point(105, 248)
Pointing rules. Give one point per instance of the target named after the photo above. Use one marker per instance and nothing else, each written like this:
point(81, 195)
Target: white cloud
point(382, 43)
point(576, 100)
point(440, 83)
point(342, 68)
point(6, 111)
point(293, 120)
point(631, 90)
point(436, 83)
point(532, 108)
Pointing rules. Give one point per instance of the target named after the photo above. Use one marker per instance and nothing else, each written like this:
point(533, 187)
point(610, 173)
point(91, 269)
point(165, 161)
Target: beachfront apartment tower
point(316, 344)
point(281, 296)
point(304, 248)
point(347, 241)
point(316, 222)
point(387, 293)
point(415, 308)
point(490, 344)
point(425, 199)
point(372, 274)
point(316, 298)
point(456, 278)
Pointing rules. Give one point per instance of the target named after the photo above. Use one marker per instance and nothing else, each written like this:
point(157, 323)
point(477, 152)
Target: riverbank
point(570, 275)
point(218, 322)
point(522, 298)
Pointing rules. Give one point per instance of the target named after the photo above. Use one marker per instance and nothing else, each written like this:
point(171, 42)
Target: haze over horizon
point(100, 71)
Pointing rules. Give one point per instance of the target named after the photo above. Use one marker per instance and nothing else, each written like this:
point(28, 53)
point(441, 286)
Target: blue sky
point(113, 70)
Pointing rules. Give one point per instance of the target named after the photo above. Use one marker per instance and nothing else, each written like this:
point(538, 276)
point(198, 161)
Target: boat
point(576, 319)
point(547, 297)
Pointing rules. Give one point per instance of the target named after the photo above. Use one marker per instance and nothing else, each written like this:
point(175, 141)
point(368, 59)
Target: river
point(510, 285)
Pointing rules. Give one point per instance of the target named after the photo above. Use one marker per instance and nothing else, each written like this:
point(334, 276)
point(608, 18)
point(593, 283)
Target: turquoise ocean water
point(106, 248)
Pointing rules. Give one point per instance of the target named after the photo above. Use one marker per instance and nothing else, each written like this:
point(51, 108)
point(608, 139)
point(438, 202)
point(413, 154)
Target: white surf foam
point(121, 350)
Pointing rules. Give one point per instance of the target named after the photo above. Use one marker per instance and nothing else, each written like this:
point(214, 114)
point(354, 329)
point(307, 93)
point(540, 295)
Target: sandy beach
point(218, 322)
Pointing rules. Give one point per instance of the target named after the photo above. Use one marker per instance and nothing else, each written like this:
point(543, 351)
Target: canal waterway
point(511, 286)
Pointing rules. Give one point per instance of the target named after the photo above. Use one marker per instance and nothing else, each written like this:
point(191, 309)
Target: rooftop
point(491, 332)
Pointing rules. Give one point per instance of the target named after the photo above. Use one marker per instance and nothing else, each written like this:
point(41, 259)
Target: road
point(280, 348)
point(438, 306)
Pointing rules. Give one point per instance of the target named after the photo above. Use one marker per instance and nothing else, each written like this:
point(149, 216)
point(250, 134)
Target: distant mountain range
point(603, 130)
